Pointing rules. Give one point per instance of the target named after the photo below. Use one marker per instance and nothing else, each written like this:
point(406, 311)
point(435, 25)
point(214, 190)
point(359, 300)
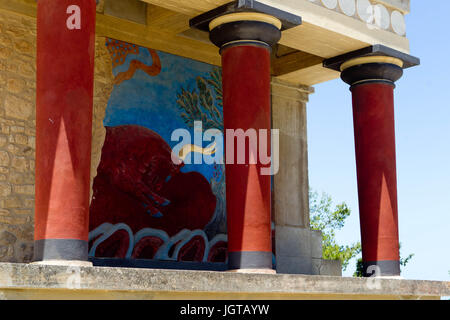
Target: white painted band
point(244, 42)
point(373, 80)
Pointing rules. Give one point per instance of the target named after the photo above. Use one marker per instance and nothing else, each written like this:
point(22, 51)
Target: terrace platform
point(28, 281)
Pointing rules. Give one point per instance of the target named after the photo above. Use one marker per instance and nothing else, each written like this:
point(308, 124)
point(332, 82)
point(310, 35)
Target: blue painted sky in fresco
point(152, 101)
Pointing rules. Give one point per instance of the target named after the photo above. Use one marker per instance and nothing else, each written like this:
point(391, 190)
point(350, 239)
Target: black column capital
point(376, 63)
point(245, 32)
point(245, 21)
point(372, 72)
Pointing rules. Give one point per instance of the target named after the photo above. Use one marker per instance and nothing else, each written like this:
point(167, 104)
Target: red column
point(372, 84)
point(373, 110)
point(245, 32)
point(372, 72)
point(65, 68)
point(246, 92)
point(245, 48)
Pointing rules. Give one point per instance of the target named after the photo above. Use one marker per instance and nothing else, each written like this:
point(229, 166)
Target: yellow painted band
point(371, 59)
point(245, 16)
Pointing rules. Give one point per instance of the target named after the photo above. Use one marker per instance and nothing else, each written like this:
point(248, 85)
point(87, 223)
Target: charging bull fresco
point(147, 202)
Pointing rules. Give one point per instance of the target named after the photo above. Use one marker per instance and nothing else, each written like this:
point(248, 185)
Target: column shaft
point(373, 110)
point(245, 34)
point(246, 89)
point(65, 68)
point(372, 72)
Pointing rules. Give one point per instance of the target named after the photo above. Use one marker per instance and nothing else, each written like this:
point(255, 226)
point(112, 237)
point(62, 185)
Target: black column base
point(387, 268)
point(249, 260)
point(60, 249)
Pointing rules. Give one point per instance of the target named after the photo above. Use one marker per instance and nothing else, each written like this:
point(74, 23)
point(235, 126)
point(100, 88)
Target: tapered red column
point(372, 72)
point(246, 69)
point(372, 85)
point(245, 32)
point(65, 68)
point(246, 98)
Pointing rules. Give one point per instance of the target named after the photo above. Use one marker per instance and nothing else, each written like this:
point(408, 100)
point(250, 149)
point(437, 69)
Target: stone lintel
point(285, 89)
point(375, 50)
point(287, 19)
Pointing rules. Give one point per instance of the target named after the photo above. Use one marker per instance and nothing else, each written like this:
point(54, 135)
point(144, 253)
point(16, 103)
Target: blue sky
point(422, 111)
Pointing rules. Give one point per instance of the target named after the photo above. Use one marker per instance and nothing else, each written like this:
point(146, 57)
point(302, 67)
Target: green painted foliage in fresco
point(204, 103)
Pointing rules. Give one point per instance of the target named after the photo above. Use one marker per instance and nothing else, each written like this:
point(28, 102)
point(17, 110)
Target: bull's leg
point(153, 201)
point(132, 185)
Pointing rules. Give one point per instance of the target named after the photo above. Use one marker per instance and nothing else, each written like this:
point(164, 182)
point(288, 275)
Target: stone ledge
point(19, 281)
point(295, 86)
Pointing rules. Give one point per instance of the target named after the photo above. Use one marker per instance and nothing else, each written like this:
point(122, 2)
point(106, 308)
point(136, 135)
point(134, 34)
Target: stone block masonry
point(17, 130)
point(17, 136)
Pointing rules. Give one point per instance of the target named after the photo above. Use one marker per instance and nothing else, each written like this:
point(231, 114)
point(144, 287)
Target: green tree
point(328, 219)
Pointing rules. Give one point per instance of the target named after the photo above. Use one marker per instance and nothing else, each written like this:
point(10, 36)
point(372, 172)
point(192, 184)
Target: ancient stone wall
point(17, 136)
point(103, 85)
point(17, 130)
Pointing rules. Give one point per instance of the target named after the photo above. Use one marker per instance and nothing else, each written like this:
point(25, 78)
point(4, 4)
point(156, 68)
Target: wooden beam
point(316, 41)
point(310, 75)
point(156, 39)
point(324, 32)
point(148, 36)
point(188, 7)
point(25, 7)
point(293, 61)
point(187, 45)
point(301, 68)
point(167, 20)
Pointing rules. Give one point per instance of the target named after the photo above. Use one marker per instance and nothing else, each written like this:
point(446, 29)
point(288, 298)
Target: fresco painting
point(145, 205)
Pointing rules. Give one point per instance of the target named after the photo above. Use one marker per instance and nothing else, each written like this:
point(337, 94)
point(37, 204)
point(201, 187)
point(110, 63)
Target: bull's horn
point(211, 149)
